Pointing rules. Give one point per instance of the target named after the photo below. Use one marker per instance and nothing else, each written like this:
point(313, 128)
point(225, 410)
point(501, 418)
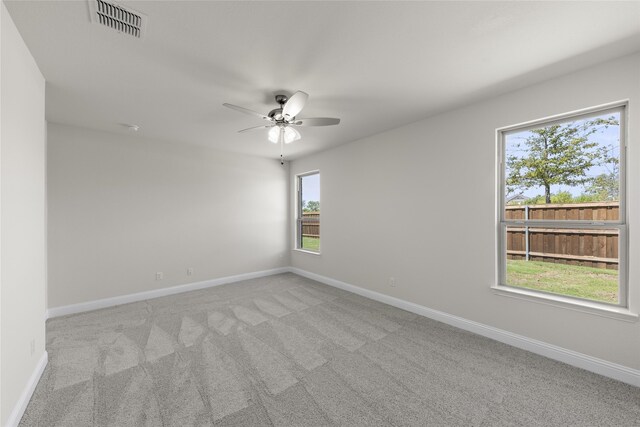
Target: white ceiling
point(376, 65)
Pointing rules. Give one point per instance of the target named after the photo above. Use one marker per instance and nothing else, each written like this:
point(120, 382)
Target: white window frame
point(619, 310)
point(298, 212)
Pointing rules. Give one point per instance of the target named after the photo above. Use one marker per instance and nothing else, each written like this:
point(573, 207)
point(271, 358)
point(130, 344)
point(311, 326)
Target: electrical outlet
point(189, 271)
point(392, 282)
point(33, 346)
point(159, 275)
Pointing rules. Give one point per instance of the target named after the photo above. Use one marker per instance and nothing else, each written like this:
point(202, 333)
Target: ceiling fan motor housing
point(276, 114)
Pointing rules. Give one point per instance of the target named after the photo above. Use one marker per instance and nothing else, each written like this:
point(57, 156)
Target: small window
point(562, 207)
point(308, 212)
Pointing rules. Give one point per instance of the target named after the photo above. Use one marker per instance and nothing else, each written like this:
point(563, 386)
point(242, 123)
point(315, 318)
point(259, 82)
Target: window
point(562, 206)
point(308, 212)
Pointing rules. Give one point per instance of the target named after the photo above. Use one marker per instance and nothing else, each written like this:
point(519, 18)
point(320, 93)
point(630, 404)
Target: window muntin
point(308, 212)
point(562, 229)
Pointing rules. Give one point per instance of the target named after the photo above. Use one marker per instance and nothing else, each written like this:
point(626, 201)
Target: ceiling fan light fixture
point(274, 133)
point(283, 122)
point(290, 134)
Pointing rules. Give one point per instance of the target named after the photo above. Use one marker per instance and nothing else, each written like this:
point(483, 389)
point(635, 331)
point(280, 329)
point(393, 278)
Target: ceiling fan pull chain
point(282, 152)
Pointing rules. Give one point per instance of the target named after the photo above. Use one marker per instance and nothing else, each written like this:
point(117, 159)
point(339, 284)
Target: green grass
point(311, 243)
point(596, 284)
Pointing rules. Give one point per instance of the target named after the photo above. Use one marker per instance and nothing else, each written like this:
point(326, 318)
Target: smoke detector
point(120, 18)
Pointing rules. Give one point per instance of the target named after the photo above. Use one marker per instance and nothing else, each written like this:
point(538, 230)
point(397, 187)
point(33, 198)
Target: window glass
point(309, 212)
point(562, 221)
point(572, 162)
point(580, 263)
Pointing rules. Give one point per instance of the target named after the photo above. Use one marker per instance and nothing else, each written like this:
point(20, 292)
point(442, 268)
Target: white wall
point(22, 211)
point(122, 208)
point(405, 202)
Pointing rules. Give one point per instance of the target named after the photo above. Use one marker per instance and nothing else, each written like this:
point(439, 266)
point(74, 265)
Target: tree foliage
point(605, 187)
point(567, 197)
point(310, 206)
point(560, 197)
point(559, 154)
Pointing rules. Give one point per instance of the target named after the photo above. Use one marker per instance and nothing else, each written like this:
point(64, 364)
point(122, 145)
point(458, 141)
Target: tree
point(559, 154)
point(560, 197)
point(537, 200)
point(605, 187)
point(312, 206)
point(587, 198)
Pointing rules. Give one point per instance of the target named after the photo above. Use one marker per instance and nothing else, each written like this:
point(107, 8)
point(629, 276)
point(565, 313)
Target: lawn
point(584, 282)
point(311, 243)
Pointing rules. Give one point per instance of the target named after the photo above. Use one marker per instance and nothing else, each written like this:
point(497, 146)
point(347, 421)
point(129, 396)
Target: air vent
point(118, 17)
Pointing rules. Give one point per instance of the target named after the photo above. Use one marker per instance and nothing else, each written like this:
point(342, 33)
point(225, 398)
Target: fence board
point(586, 247)
point(311, 224)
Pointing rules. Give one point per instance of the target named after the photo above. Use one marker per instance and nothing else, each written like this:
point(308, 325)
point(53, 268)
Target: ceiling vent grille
point(118, 17)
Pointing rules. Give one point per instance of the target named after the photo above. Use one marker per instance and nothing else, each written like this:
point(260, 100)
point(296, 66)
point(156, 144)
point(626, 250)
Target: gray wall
point(122, 207)
point(22, 212)
point(387, 198)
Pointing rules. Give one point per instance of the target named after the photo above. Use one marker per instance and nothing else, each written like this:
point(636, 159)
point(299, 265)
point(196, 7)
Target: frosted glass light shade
point(274, 132)
point(290, 134)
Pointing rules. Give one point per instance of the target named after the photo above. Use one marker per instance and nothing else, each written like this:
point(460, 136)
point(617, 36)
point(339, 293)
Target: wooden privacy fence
point(311, 224)
point(575, 246)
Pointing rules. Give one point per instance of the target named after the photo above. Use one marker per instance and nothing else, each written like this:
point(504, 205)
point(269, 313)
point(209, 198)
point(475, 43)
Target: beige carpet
point(287, 351)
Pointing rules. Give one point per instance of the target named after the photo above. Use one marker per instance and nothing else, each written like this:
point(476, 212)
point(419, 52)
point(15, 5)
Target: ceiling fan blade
point(295, 104)
point(247, 111)
point(317, 121)
point(255, 128)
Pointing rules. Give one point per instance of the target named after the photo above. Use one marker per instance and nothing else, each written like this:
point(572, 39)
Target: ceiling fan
point(282, 120)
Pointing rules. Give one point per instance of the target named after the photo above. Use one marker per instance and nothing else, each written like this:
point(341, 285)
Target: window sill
point(598, 309)
point(306, 252)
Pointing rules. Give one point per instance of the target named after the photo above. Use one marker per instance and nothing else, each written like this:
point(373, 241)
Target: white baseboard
point(570, 357)
point(23, 401)
point(140, 296)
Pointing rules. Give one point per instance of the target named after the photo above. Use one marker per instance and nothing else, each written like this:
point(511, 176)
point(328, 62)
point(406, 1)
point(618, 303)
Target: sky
point(607, 137)
point(311, 187)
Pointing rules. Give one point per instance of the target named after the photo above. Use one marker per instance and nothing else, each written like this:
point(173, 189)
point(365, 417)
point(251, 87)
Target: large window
point(308, 212)
point(562, 206)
